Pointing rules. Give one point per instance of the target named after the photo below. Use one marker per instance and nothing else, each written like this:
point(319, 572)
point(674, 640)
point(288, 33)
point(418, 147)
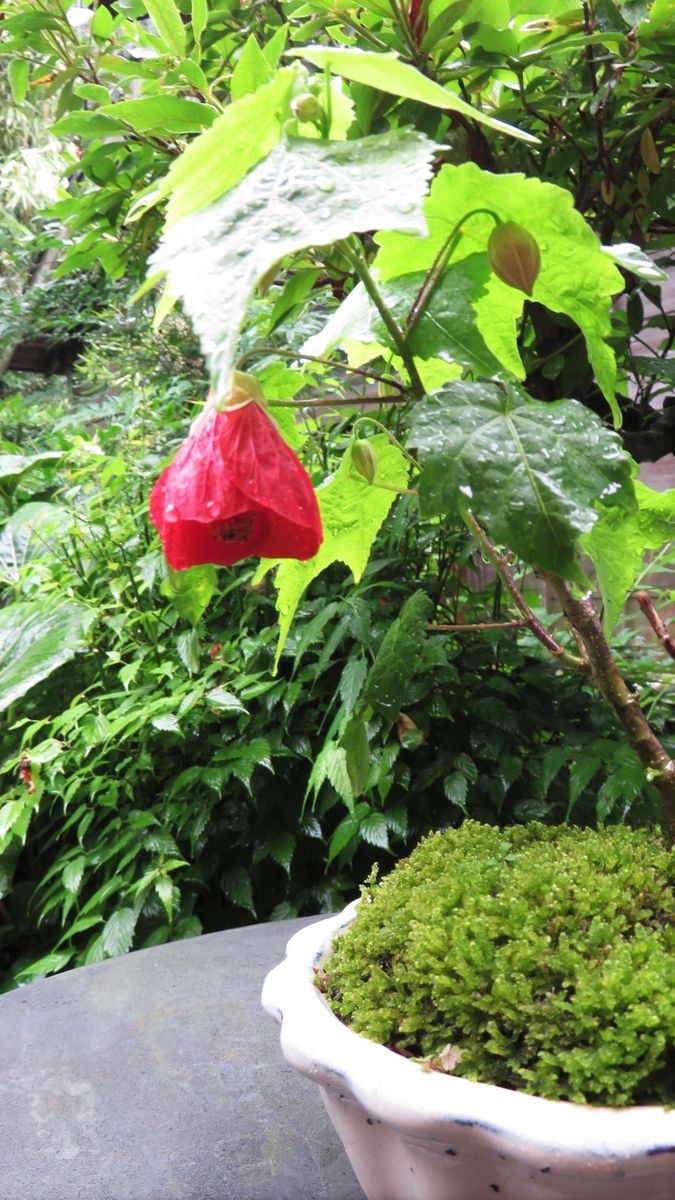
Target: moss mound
point(544, 955)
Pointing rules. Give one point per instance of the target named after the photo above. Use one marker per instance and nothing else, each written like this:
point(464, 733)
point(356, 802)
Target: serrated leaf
point(166, 723)
point(282, 848)
point(354, 742)
point(166, 18)
point(167, 893)
point(373, 829)
point(190, 591)
point(553, 762)
point(397, 657)
point(387, 73)
point(118, 932)
point(303, 194)
point(226, 701)
point(346, 831)
point(351, 682)
point(36, 638)
point(73, 873)
point(218, 159)
point(580, 775)
point(337, 773)
point(618, 543)
point(456, 788)
point(352, 513)
point(163, 115)
point(187, 646)
point(576, 277)
point(536, 474)
point(47, 965)
point(237, 887)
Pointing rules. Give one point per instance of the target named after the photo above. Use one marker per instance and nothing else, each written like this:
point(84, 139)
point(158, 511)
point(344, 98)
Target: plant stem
point(439, 264)
point(480, 625)
point(605, 674)
point(357, 259)
point(647, 606)
point(326, 362)
point(502, 567)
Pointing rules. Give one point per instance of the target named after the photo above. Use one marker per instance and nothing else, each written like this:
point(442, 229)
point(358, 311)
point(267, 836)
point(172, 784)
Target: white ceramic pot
point(412, 1134)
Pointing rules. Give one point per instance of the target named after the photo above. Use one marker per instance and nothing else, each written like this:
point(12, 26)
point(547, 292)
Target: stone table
point(156, 1076)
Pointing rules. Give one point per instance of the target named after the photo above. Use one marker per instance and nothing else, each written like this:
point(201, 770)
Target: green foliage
point(535, 958)
point(538, 477)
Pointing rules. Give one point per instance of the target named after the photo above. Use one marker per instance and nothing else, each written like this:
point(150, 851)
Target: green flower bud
point(364, 459)
point(514, 256)
point(307, 108)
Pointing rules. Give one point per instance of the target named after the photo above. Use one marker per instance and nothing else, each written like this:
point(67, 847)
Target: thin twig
point(535, 626)
point(270, 351)
point(480, 625)
point(647, 606)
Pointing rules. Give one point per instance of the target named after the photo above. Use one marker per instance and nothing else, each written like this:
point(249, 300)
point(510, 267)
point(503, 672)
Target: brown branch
point(535, 626)
point(647, 606)
point(605, 674)
point(469, 628)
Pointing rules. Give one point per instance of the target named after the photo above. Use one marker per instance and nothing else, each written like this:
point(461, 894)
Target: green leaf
point(374, 830)
point(73, 873)
point(237, 887)
point(200, 16)
point(166, 723)
point(456, 787)
point(167, 892)
point(576, 278)
point(345, 832)
point(633, 259)
point(447, 329)
point(536, 473)
point(28, 534)
point(35, 639)
point(351, 682)
point(118, 932)
point(352, 512)
point(187, 646)
point(281, 848)
point(618, 542)
point(225, 701)
point(387, 73)
point(190, 591)
point(48, 965)
point(220, 158)
point(252, 70)
point(13, 466)
point(304, 193)
point(354, 742)
point(166, 18)
point(17, 74)
point(103, 23)
point(397, 657)
point(161, 114)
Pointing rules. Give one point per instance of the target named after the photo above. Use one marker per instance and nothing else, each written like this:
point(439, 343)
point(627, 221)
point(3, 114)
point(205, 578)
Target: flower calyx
point(364, 459)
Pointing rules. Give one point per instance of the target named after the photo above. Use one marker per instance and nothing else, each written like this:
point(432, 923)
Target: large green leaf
point(304, 193)
point(218, 159)
point(13, 466)
point(190, 591)
point(161, 114)
point(577, 278)
point(536, 474)
point(388, 73)
point(35, 639)
point(27, 534)
point(618, 542)
point(352, 512)
point(167, 20)
point(447, 328)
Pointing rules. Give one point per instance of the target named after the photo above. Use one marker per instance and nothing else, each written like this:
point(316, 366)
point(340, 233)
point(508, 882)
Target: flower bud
point(243, 388)
point(364, 459)
point(307, 108)
point(514, 256)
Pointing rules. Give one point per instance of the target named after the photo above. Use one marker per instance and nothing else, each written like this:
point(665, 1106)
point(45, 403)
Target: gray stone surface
point(157, 1076)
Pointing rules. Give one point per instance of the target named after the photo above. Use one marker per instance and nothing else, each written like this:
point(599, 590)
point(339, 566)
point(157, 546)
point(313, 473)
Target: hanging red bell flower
point(235, 488)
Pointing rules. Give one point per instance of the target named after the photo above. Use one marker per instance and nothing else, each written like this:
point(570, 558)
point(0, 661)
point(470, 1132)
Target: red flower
point(235, 488)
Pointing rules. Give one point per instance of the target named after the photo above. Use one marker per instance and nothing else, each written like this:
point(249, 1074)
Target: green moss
point(546, 955)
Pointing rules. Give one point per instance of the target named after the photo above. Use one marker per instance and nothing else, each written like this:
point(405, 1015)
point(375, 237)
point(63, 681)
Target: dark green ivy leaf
point(538, 475)
point(397, 658)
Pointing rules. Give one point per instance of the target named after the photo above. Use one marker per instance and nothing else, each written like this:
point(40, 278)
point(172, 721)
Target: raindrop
point(324, 214)
point(324, 184)
point(406, 208)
